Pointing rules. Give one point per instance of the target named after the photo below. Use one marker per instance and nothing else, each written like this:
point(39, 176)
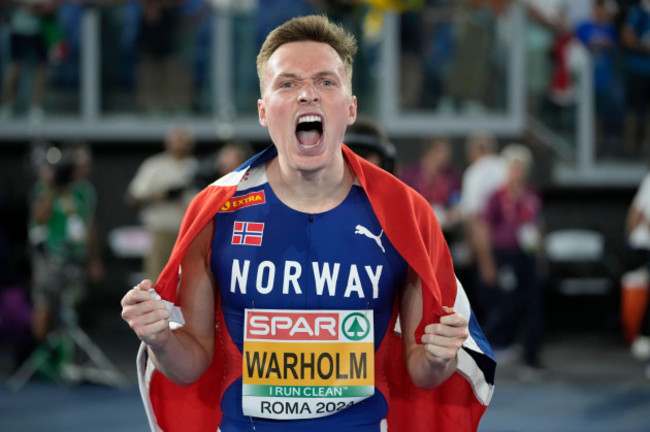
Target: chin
point(311, 164)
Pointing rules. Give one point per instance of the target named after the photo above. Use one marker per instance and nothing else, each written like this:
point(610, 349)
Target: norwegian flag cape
point(409, 222)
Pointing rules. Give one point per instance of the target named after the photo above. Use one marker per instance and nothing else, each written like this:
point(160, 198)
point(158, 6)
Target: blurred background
point(93, 89)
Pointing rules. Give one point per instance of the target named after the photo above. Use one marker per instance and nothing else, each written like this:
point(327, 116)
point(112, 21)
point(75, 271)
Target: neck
point(310, 191)
point(516, 189)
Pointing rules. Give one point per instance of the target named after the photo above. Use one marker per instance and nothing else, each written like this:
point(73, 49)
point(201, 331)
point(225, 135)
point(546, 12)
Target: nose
point(308, 94)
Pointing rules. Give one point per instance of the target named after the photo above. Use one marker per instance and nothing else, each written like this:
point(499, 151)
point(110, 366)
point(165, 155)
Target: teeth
point(309, 118)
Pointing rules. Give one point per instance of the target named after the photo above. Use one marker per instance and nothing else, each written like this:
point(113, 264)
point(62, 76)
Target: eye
point(327, 83)
point(286, 84)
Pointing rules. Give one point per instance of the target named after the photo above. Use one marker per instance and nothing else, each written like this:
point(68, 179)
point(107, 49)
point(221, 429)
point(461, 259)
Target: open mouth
point(309, 130)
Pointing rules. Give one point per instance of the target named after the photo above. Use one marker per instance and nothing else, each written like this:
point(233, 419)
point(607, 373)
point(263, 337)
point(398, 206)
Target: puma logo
point(359, 229)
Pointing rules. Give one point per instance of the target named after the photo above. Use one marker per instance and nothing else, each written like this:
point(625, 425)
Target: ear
point(261, 113)
point(352, 113)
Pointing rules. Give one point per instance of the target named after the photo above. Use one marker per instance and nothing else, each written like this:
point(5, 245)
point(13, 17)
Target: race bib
point(306, 364)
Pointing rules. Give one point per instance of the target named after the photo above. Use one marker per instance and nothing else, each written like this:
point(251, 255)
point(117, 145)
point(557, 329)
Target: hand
point(443, 340)
point(148, 318)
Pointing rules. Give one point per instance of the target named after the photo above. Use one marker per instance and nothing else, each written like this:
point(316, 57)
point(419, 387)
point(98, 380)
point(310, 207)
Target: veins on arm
point(425, 371)
point(190, 351)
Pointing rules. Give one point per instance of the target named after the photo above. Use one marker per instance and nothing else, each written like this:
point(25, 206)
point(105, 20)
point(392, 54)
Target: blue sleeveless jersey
point(266, 255)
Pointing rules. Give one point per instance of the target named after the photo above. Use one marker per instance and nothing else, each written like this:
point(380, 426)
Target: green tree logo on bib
point(355, 326)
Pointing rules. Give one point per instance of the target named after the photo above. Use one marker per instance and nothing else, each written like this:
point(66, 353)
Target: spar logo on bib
point(306, 363)
point(355, 326)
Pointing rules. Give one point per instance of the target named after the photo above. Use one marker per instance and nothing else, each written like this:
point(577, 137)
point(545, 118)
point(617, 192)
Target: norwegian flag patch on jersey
point(247, 233)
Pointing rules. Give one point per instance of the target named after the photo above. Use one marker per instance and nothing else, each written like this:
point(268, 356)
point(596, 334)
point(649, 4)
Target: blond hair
point(315, 28)
point(516, 152)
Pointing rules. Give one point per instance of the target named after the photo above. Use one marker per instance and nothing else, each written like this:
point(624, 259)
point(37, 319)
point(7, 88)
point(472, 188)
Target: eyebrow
point(287, 75)
point(323, 74)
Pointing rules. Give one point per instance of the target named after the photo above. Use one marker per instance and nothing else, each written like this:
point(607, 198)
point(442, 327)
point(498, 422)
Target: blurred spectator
point(561, 90)
point(33, 32)
point(543, 18)
point(637, 226)
point(638, 238)
point(620, 14)
point(230, 156)
point(62, 235)
point(119, 53)
point(469, 72)
point(438, 34)
point(82, 155)
point(484, 174)
point(599, 35)
point(203, 52)
point(437, 181)
point(68, 70)
point(636, 39)
point(162, 188)
point(194, 49)
point(164, 78)
point(411, 76)
point(367, 139)
point(508, 241)
point(499, 59)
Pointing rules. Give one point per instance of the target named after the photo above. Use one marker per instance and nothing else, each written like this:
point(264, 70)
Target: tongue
point(308, 138)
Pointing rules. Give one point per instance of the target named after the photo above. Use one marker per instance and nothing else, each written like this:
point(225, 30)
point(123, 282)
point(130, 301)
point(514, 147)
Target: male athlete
point(293, 271)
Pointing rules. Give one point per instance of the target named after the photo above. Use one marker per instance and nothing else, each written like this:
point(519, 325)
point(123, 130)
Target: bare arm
point(631, 40)
point(429, 364)
point(634, 219)
point(183, 355)
point(42, 207)
point(480, 240)
point(95, 264)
